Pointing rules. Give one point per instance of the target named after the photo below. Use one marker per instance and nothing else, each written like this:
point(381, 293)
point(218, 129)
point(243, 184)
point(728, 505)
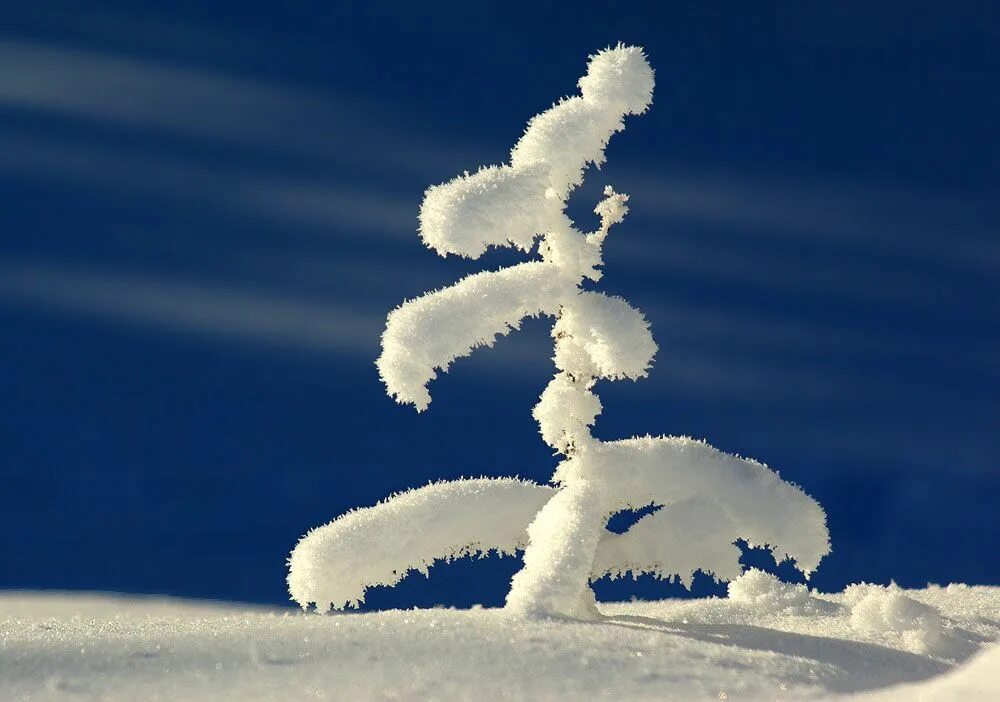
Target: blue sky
point(209, 209)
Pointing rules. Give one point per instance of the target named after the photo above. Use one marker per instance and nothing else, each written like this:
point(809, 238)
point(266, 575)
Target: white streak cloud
point(213, 311)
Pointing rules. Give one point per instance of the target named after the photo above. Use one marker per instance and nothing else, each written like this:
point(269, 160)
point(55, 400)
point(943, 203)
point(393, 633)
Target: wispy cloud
point(314, 203)
point(176, 305)
point(211, 105)
point(750, 331)
point(148, 94)
point(773, 269)
point(319, 204)
point(872, 218)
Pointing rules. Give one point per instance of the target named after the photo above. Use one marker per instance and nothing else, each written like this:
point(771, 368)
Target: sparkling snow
point(768, 641)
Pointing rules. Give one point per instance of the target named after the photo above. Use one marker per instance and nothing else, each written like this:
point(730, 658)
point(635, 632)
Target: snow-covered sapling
point(710, 499)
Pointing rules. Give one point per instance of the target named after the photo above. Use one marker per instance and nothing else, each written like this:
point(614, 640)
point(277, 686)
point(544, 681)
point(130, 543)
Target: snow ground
point(767, 641)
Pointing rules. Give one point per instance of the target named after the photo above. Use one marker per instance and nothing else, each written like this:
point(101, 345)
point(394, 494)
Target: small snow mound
point(885, 612)
point(765, 593)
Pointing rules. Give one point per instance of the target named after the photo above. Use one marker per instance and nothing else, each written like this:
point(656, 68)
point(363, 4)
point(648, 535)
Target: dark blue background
point(208, 208)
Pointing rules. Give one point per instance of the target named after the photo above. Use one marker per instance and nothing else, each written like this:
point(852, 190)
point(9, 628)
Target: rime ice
point(710, 498)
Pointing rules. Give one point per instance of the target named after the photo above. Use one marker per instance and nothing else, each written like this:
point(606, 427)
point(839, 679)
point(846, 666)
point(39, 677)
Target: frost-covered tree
point(710, 499)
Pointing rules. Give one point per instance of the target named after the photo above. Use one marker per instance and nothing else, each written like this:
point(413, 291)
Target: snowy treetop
point(513, 205)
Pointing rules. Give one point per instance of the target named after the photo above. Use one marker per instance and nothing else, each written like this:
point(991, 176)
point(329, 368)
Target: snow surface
point(767, 641)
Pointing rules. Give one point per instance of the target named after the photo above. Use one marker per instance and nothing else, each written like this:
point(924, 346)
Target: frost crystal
point(709, 498)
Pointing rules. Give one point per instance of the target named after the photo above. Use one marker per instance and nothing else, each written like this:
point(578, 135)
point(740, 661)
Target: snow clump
point(887, 613)
point(765, 593)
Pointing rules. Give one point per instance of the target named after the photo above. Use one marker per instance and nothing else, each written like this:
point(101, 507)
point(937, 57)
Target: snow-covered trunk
point(564, 536)
point(557, 563)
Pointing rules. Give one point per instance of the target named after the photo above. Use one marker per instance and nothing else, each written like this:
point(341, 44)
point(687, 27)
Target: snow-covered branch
point(428, 333)
point(334, 564)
